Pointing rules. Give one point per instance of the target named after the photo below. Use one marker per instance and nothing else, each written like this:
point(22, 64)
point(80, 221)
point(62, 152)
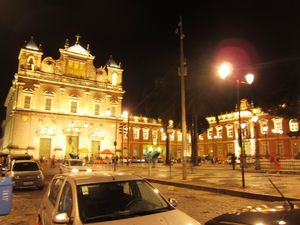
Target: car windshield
point(117, 200)
point(76, 163)
point(25, 166)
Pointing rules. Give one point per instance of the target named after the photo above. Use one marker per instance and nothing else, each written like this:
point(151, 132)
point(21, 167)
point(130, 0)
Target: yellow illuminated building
point(57, 107)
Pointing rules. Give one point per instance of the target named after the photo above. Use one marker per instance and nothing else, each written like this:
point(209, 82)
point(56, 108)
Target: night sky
point(141, 35)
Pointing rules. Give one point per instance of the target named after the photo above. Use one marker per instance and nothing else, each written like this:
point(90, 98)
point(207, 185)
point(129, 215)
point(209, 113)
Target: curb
point(223, 191)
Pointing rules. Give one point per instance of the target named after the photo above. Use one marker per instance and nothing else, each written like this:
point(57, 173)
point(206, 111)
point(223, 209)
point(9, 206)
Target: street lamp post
point(224, 71)
point(265, 130)
point(257, 155)
point(126, 116)
point(182, 72)
point(109, 114)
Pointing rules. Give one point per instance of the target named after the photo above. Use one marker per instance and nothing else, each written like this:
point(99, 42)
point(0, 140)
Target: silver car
point(107, 198)
point(74, 165)
point(26, 173)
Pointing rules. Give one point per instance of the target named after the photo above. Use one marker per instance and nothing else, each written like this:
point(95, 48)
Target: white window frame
point(154, 135)
point(179, 136)
point(293, 124)
point(229, 130)
point(136, 133)
point(219, 131)
point(210, 133)
point(145, 133)
point(277, 124)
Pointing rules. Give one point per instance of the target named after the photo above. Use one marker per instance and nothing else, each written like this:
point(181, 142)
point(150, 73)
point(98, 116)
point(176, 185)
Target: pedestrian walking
point(233, 161)
point(274, 160)
point(52, 164)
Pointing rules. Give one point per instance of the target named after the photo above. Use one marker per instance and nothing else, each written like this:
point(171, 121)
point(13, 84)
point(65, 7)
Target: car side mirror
point(61, 218)
point(173, 202)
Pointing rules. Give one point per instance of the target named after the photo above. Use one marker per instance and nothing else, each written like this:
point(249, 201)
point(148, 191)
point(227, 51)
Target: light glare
point(225, 70)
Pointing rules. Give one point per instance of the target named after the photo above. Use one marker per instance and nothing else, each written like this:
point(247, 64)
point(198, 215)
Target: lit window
point(277, 124)
point(145, 133)
point(172, 136)
point(263, 126)
point(219, 131)
point(136, 133)
point(27, 101)
point(201, 137)
point(210, 134)
point(113, 111)
point(179, 136)
point(154, 135)
point(294, 125)
point(229, 129)
point(48, 102)
point(97, 109)
point(76, 68)
point(114, 79)
point(74, 107)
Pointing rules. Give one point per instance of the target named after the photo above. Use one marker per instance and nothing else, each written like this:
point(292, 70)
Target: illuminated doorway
point(45, 148)
point(72, 145)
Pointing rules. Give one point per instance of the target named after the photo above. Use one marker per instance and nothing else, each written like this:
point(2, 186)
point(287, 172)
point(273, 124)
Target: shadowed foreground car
point(279, 213)
point(107, 198)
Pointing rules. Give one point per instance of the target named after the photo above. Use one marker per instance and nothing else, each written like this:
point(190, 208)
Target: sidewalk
point(219, 178)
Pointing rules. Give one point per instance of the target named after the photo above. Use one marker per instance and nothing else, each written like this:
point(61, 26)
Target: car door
point(50, 201)
point(65, 204)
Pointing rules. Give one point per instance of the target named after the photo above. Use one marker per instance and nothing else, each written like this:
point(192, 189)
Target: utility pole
point(182, 72)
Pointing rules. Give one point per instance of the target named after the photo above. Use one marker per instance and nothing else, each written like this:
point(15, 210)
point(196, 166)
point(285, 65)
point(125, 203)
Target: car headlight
point(89, 170)
point(74, 170)
point(16, 177)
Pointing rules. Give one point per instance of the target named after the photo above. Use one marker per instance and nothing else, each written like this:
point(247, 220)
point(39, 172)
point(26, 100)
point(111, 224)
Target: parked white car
point(73, 165)
point(107, 198)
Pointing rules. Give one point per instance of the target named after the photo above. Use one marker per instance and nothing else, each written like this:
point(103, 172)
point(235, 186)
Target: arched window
point(114, 79)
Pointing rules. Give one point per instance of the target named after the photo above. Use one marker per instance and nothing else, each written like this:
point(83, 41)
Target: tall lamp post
point(182, 72)
point(224, 71)
point(109, 114)
point(126, 117)
point(257, 156)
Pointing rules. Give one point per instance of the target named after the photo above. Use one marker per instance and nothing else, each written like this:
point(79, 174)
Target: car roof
point(25, 161)
point(74, 160)
point(81, 178)
point(19, 155)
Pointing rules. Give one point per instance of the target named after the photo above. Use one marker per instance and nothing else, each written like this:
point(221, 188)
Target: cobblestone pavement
point(201, 205)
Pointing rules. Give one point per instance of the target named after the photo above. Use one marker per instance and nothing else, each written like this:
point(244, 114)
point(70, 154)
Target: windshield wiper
point(141, 213)
point(284, 198)
point(112, 216)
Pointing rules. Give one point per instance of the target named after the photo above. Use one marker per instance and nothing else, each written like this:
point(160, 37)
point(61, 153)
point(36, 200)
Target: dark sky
point(141, 35)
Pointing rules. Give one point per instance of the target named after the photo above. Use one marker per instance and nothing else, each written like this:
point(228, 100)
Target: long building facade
point(262, 134)
point(63, 106)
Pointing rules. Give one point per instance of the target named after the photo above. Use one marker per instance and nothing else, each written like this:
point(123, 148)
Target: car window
point(146, 193)
point(66, 200)
point(55, 188)
point(113, 200)
point(76, 163)
point(25, 166)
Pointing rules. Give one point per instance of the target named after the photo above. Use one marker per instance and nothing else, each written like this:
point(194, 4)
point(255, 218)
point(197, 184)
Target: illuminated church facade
point(57, 107)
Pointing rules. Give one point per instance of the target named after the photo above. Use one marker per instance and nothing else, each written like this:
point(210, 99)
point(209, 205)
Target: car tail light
point(38, 221)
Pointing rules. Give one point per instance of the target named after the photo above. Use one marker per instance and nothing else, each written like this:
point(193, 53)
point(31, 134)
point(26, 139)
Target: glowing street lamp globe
point(225, 70)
